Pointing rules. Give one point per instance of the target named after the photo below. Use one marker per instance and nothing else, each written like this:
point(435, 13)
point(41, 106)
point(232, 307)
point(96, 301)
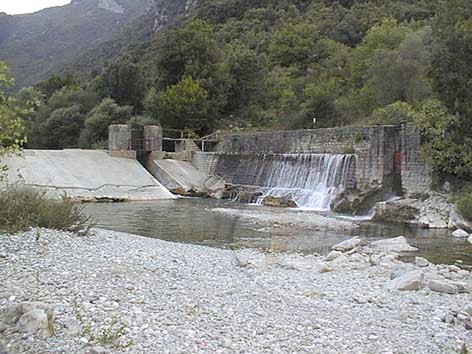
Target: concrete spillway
point(84, 174)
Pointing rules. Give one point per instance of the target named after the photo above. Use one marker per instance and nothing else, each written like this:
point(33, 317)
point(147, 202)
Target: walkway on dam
point(84, 174)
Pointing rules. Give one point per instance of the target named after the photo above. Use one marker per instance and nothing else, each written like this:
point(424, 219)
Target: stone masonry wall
point(416, 174)
point(374, 147)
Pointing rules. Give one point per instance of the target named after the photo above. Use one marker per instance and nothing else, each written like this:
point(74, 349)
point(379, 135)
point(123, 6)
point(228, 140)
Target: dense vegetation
point(278, 65)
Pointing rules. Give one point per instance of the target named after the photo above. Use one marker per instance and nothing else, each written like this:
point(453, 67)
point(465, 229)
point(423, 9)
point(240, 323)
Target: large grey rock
point(421, 262)
point(35, 322)
point(333, 255)
point(442, 286)
point(348, 244)
point(459, 233)
point(470, 239)
point(434, 212)
point(400, 210)
point(457, 221)
point(396, 244)
point(412, 280)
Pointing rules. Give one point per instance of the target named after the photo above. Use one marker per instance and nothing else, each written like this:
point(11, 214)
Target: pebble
point(158, 296)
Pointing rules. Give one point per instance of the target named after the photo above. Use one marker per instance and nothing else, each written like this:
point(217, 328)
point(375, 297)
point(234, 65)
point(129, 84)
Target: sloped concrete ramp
point(181, 176)
point(175, 174)
point(84, 174)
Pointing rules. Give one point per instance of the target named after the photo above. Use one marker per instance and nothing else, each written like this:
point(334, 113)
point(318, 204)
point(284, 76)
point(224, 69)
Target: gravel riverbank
point(115, 292)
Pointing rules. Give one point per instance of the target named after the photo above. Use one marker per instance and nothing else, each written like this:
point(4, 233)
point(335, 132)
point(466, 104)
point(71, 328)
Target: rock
point(396, 244)
point(468, 309)
point(459, 233)
point(35, 322)
point(470, 239)
point(333, 255)
point(355, 202)
point(348, 244)
point(98, 350)
point(398, 272)
point(339, 261)
point(412, 280)
point(73, 326)
point(442, 286)
point(434, 212)
point(215, 186)
point(457, 221)
point(421, 262)
point(325, 268)
point(401, 210)
point(279, 202)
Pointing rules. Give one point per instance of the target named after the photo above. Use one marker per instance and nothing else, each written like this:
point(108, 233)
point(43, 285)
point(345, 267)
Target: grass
point(22, 208)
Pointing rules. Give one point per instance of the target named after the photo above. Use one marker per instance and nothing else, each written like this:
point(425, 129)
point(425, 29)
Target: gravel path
point(114, 292)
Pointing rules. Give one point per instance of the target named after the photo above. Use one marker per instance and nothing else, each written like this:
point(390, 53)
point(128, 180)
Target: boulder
point(333, 255)
point(470, 239)
point(421, 262)
point(457, 221)
point(279, 202)
point(459, 233)
point(35, 322)
point(401, 210)
point(357, 202)
point(215, 186)
point(412, 280)
point(324, 268)
point(396, 244)
point(348, 244)
point(434, 212)
point(442, 286)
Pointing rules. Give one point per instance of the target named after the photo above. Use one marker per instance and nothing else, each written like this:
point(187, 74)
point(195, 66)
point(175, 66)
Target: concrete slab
point(84, 174)
point(175, 174)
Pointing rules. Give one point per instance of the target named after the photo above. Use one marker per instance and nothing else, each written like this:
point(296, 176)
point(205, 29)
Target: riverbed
point(232, 225)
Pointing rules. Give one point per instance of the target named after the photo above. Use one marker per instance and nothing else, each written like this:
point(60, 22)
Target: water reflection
point(193, 221)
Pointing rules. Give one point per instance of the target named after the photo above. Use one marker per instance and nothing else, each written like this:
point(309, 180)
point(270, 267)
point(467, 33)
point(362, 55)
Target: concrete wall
point(119, 136)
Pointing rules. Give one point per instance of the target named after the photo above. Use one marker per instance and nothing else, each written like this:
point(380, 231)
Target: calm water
point(193, 221)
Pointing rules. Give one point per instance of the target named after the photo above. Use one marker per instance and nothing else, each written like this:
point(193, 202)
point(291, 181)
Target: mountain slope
point(40, 44)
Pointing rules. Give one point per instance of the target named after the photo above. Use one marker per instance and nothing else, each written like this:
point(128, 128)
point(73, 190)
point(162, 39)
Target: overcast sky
point(13, 7)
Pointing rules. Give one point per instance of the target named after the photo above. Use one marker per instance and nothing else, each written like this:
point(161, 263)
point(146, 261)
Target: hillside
point(40, 44)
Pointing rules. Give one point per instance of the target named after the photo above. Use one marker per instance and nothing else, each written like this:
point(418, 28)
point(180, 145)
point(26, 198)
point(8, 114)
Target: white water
point(310, 180)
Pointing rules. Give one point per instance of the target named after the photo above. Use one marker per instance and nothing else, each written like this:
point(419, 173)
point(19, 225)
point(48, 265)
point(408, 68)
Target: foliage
point(395, 113)
point(443, 145)
point(97, 122)
point(464, 205)
point(29, 208)
point(12, 135)
point(184, 105)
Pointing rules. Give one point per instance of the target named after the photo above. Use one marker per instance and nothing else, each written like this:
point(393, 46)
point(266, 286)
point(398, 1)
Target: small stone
point(459, 233)
point(468, 309)
point(348, 244)
point(442, 286)
point(325, 268)
point(421, 262)
point(412, 280)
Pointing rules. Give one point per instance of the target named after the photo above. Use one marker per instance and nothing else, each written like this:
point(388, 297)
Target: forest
point(276, 65)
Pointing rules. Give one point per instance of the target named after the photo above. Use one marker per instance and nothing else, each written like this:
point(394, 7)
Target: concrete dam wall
point(84, 175)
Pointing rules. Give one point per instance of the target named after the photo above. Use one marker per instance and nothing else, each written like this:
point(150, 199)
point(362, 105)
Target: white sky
point(14, 7)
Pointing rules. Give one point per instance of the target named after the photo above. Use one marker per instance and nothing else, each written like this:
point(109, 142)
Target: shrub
point(464, 205)
point(24, 207)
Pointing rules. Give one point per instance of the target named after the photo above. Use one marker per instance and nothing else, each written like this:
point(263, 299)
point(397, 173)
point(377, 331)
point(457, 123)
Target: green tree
point(55, 83)
point(185, 105)
point(444, 146)
point(123, 81)
point(100, 118)
point(319, 103)
point(395, 113)
point(62, 129)
point(12, 134)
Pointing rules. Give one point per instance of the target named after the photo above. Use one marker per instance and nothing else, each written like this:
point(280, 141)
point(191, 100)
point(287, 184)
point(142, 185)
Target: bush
point(464, 205)
point(24, 207)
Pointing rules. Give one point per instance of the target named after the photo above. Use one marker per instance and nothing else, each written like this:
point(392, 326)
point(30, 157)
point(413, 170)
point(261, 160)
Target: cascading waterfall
point(310, 180)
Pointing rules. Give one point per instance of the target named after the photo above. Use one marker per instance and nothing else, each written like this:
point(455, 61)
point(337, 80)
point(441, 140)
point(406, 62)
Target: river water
point(199, 221)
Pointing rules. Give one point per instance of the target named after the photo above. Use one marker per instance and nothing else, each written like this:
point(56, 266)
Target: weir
point(310, 180)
